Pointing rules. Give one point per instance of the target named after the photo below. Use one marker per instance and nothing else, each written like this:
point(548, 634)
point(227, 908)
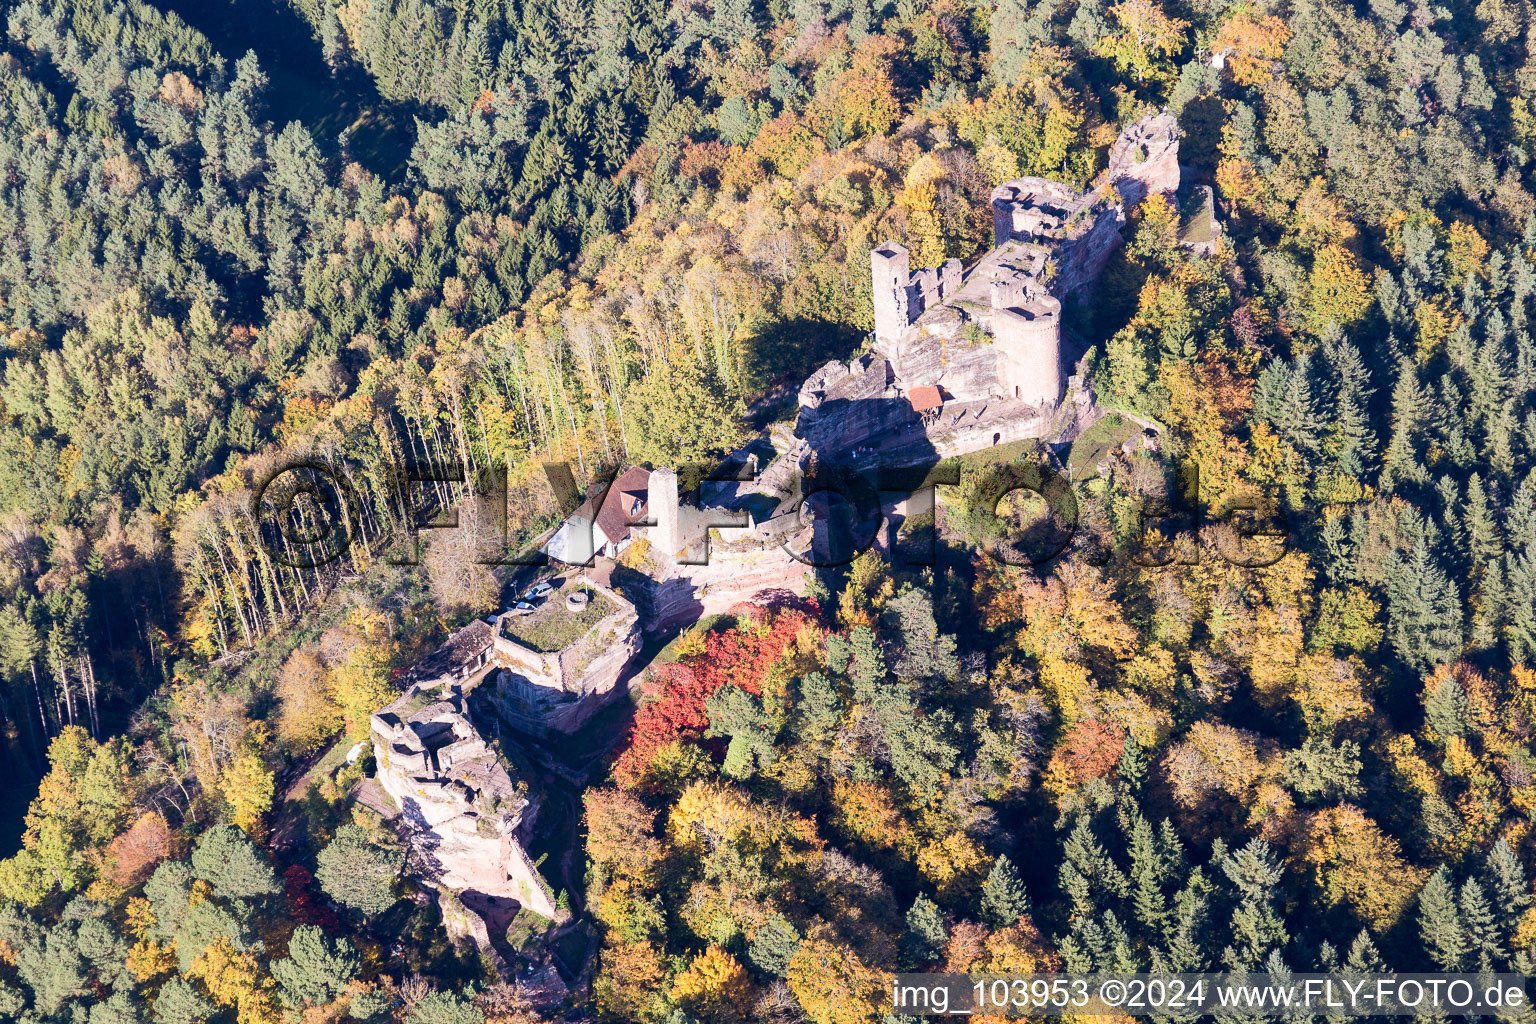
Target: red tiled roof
point(925, 398)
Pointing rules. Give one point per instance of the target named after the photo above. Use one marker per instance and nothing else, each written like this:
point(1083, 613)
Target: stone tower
point(1026, 331)
point(661, 499)
point(891, 274)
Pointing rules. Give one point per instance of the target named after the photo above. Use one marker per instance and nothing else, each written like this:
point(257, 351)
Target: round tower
point(1028, 342)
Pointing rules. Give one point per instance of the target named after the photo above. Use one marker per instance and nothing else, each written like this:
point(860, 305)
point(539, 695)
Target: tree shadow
point(789, 346)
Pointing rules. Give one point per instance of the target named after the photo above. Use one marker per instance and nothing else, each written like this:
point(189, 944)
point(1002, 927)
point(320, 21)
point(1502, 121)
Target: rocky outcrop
point(1145, 158)
point(456, 797)
point(731, 577)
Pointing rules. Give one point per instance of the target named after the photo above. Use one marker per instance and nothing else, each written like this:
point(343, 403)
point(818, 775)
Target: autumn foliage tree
point(135, 852)
point(742, 657)
point(1146, 40)
point(714, 987)
point(834, 986)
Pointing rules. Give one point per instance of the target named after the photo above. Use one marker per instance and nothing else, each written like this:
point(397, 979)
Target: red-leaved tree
point(741, 656)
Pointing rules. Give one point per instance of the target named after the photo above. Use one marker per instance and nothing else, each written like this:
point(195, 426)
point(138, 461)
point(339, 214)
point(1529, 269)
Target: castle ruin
point(989, 339)
point(455, 794)
point(541, 692)
point(961, 359)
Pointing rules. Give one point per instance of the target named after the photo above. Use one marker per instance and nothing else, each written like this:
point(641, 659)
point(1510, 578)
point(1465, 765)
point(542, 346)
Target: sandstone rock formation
point(1145, 158)
point(540, 692)
point(463, 810)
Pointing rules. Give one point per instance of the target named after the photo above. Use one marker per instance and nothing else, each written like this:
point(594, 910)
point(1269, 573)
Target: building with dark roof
point(602, 524)
point(463, 654)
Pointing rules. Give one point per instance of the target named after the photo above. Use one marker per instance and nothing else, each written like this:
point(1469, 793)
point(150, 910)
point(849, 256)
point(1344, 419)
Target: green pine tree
point(926, 935)
point(1003, 899)
point(1441, 933)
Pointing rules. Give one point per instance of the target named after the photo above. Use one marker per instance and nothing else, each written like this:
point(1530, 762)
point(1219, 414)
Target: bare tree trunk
point(37, 687)
point(234, 593)
point(214, 596)
point(89, 676)
point(69, 694)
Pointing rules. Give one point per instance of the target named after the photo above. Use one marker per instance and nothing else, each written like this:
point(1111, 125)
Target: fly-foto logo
point(308, 514)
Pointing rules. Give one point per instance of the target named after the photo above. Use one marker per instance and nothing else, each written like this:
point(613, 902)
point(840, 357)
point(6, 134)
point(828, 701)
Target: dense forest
point(621, 226)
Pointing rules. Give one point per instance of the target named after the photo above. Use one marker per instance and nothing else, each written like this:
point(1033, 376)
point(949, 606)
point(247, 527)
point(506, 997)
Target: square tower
point(891, 274)
point(666, 535)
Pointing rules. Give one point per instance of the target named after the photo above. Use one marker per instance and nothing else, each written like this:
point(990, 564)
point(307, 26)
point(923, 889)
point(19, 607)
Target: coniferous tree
point(1509, 893)
point(1363, 957)
point(1003, 899)
point(925, 936)
point(1479, 925)
point(316, 969)
point(1257, 927)
point(773, 945)
point(1353, 440)
point(1423, 610)
point(1088, 875)
point(1481, 532)
point(227, 859)
point(359, 873)
point(1155, 862)
point(1411, 407)
point(1441, 933)
point(1183, 945)
point(179, 1003)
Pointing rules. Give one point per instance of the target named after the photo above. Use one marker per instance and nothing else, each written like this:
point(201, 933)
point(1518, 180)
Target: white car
point(539, 590)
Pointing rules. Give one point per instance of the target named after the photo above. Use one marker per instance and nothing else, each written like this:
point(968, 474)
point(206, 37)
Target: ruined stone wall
point(577, 681)
point(729, 579)
point(585, 665)
point(853, 404)
point(577, 668)
point(536, 666)
point(901, 295)
point(1083, 256)
point(891, 272)
point(463, 924)
point(662, 505)
point(605, 663)
point(531, 889)
point(1026, 208)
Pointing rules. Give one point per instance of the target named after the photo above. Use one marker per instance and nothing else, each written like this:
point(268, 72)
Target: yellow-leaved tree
point(1339, 290)
point(954, 864)
point(235, 980)
point(248, 786)
point(1357, 865)
point(1146, 42)
point(359, 685)
point(1252, 45)
point(833, 985)
point(919, 198)
point(306, 716)
point(714, 987)
point(709, 809)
